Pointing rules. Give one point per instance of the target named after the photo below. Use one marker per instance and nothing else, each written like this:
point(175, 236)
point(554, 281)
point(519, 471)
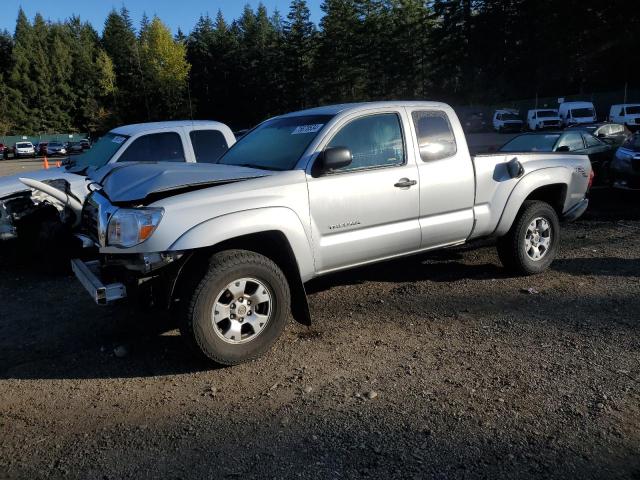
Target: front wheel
point(532, 242)
point(238, 310)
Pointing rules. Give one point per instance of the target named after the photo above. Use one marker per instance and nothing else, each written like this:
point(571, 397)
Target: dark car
point(474, 122)
point(75, 148)
point(613, 133)
point(42, 148)
point(625, 167)
point(86, 145)
point(577, 141)
point(56, 149)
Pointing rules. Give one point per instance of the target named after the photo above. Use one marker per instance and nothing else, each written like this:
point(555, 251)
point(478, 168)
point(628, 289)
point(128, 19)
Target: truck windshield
point(100, 153)
point(277, 144)
point(635, 110)
point(582, 113)
point(547, 113)
point(531, 143)
point(510, 116)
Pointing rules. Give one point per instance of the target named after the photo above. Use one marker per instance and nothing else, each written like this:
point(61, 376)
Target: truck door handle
point(405, 183)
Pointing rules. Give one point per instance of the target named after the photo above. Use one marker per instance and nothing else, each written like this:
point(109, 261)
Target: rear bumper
point(576, 211)
point(89, 276)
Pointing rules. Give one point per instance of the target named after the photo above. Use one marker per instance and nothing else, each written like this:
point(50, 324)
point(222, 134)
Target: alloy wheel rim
point(242, 310)
point(537, 239)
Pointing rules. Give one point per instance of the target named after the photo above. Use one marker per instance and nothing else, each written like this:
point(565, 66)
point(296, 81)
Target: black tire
point(511, 247)
point(196, 322)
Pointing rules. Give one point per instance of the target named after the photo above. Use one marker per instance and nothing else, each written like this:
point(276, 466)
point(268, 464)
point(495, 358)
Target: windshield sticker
point(307, 129)
point(118, 139)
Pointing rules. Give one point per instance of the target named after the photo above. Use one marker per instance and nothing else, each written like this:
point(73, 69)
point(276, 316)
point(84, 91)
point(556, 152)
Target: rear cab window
point(208, 145)
point(435, 135)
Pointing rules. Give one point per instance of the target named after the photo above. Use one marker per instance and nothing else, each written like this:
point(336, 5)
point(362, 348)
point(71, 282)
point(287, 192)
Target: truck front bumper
point(88, 273)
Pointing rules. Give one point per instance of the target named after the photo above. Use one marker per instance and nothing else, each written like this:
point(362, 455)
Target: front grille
point(635, 165)
point(550, 122)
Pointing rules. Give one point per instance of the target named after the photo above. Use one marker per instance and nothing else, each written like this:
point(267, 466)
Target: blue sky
point(175, 13)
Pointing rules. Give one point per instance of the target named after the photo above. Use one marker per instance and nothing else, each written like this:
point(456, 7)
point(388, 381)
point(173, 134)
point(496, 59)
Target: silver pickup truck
point(229, 246)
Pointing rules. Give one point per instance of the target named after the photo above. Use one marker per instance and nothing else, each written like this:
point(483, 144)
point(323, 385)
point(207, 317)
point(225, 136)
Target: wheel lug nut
point(232, 316)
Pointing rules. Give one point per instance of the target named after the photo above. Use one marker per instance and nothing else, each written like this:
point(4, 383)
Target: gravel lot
point(437, 366)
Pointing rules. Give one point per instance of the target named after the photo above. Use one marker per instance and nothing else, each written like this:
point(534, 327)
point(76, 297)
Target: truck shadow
point(439, 266)
point(50, 329)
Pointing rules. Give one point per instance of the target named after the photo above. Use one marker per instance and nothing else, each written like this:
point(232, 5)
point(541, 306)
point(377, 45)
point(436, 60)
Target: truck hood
point(140, 182)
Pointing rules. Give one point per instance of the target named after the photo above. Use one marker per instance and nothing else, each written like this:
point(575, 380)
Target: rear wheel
point(532, 242)
point(238, 310)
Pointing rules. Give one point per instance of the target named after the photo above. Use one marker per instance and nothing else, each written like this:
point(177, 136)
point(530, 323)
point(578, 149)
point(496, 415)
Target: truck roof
point(143, 127)
point(354, 107)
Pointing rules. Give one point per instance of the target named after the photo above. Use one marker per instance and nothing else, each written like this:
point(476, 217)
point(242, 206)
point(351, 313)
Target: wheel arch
point(549, 185)
point(273, 244)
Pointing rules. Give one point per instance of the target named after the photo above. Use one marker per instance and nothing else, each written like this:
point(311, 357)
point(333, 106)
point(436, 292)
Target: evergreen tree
point(299, 49)
point(165, 71)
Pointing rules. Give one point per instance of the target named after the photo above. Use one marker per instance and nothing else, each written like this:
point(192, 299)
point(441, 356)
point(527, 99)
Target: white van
point(507, 121)
point(543, 118)
point(625, 113)
point(574, 113)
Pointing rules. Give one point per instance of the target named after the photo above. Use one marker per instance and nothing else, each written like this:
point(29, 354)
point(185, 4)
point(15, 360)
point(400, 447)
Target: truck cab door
point(367, 210)
point(447, 178)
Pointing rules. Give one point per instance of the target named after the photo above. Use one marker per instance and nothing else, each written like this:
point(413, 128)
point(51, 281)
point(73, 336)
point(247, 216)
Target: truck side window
point(155, 147)
point(208, 145)
point(374, 141)
point(435, 137)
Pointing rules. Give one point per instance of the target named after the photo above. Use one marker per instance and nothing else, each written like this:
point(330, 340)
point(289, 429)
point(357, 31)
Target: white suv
point(24, 149)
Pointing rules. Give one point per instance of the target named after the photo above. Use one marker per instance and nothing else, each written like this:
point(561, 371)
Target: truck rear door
point(447, 179)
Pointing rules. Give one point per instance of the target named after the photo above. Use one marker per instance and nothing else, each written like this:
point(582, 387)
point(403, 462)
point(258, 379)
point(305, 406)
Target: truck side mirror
point(334, 158)
point(563, 148)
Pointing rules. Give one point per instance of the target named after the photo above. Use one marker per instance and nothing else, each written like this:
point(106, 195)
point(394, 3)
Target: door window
point(374, 141)
point(435, 136)
point(571, 140)
point(156, 147)
point(592, 141)
point(208, 145)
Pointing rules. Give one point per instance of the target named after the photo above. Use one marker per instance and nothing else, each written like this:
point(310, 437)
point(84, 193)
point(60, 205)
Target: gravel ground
point(436, 366)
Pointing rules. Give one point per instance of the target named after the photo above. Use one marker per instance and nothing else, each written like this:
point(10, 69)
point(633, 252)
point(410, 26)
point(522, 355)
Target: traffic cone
point(46, 163)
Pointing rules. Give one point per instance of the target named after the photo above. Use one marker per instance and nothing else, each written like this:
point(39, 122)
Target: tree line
point(64, 76)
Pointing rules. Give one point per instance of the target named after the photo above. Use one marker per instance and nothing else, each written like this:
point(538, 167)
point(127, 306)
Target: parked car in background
point(627, 114)
point(56, 149)
point(24, 149)
point(542, 118)
point(175, 141)
point(86, 145)
point(507, 121)
point(612, 133)
point(474, 122)
point(42, 148)
point(572, 113)
point(625, 167)
point(571, 141)
point(75, 148)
